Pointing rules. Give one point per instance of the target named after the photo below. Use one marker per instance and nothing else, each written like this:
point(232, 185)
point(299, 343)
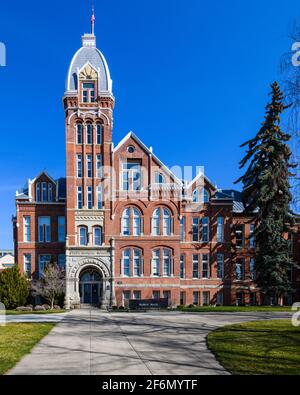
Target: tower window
point(79, 134)
point(89, 133)
point(99, 130)
point(79, 197)
point(89, 198)
point(88, 92)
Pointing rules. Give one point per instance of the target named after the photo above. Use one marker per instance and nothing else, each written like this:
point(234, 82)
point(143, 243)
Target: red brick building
point(122, 223)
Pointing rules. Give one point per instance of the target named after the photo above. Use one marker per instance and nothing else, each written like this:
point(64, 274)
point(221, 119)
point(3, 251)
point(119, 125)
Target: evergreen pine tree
point(266, 195)
point(14, 288)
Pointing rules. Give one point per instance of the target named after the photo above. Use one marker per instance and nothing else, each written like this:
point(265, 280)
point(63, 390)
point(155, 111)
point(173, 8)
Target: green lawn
point(260, 347)
point(16, 340)
point(233, 309)
point(14, 312)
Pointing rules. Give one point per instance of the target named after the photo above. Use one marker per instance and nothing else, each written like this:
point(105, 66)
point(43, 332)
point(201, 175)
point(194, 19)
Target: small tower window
point(88, 92)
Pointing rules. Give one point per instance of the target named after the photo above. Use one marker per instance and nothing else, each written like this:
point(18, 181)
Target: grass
point(234, 309)
point(14, 312)
point(258, 348)
point(17, 340)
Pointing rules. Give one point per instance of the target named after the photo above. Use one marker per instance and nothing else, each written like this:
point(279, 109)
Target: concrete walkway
point(92, 342)
point(53, 317)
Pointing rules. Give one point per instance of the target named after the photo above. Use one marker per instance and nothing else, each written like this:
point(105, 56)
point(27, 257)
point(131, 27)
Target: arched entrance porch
point(90, 287)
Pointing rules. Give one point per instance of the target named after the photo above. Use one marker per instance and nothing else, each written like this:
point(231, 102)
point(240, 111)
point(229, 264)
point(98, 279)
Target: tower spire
point(93, 20)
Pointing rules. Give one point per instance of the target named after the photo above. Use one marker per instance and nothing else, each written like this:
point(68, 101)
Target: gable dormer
point(43, 189)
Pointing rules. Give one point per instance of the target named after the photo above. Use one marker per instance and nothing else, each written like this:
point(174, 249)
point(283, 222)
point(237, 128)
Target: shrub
point(121, 308)
point(190, 306)
point(39, 308)
point(24, 308)
point(115, 307)
point(13, 288)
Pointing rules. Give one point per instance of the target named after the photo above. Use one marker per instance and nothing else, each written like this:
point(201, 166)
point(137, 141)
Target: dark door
point(95, 293)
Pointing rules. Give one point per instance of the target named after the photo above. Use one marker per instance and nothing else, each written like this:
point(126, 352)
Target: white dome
point(89, 54)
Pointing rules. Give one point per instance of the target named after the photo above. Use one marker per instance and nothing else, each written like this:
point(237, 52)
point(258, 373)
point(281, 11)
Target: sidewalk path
point(94, 342)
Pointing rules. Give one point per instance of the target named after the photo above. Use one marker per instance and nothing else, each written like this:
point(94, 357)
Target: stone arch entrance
point(90, 287)
point(90, 271)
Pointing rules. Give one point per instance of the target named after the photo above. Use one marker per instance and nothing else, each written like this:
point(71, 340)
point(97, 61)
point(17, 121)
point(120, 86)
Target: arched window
point(83, 236)
point(79, 133)
point(97, 236)
point(196, 196)
point(126, 222)
point(155, 263)
point(156, 222)
point(99, 132)
point(137, 222)
point(166, 262)
point(38, 192)
point(89, 133)
point(126, 262)
point(165, 215)
point(131, 216)
point(137, 263)
point(167, 219)
point(50, 197)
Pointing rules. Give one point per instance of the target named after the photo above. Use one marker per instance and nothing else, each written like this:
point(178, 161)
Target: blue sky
point(190, 79)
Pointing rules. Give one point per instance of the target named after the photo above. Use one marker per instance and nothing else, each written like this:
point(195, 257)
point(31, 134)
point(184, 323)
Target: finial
point(93, 19)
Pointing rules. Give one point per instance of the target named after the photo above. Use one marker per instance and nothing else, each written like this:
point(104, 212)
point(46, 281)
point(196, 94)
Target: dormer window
point(88, 92)
point(159, 178)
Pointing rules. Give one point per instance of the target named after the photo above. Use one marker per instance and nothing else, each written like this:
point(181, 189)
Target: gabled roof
point(61, 193)
point(199, 175)
point(43, 173)
point(149, 151)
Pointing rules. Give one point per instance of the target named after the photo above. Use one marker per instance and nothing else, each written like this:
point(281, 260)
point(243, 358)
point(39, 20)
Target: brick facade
point(128, 218)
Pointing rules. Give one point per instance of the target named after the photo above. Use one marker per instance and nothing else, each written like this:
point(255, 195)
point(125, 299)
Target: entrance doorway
point(90, 287)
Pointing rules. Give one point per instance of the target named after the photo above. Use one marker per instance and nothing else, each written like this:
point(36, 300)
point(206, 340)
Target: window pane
point(50, 192)
point(79, 134)
point(166, 262)
point(79, 165)
point(220, 265)
point(196, 229)
point(82, 236)
point(44, 191)
point(136, 223)
point(166, 222)
point(220, 230)
point(99, 134)
point(27, 265)
point(156, 263)
point(99, 198)
point(205, 230)
point(156, 222)
point(126, 263)
point(99, 166)
point(61, 229)
point(205, 266)
point(195, 266)
point(182, 266)
point(182, 229)
point(126, 222)
point(27, 229)
point(137, 263)
point(79, 197)
point(97, 237)
point(90, 198)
